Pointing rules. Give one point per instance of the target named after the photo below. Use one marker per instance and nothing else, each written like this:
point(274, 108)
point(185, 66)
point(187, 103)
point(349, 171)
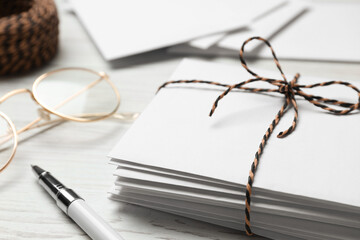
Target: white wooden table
point(76, 153)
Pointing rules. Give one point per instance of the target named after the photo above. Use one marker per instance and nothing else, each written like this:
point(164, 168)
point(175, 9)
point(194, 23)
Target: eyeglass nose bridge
point(16, 92)
point(43, 114)
point(104, 75)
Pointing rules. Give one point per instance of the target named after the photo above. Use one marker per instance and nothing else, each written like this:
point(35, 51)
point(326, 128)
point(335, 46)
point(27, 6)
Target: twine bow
point(289, 90)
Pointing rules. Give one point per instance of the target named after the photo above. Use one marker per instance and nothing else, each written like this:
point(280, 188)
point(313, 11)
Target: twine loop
point(289, 87)
point(289, 90)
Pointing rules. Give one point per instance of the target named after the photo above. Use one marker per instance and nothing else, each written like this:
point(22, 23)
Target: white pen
point(76, 208)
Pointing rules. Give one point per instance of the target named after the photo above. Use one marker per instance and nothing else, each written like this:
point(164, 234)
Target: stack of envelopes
point(177, 159)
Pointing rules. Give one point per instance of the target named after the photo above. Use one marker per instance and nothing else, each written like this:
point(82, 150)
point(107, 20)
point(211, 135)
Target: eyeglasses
point(72, 94)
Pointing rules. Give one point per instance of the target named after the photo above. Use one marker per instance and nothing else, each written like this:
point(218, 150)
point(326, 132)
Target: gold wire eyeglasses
point(72, 94)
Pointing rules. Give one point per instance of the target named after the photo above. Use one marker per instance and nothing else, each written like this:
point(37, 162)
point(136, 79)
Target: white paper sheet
point(206, 42)
point(179, 211)
point(263, 229)
point(260, 193)
point(317, 35)
point(203, 42)
point(122, 28)
point(266, 27)
point(327, 31)
point(175, 132)
point(297, 227)
point(145, 183)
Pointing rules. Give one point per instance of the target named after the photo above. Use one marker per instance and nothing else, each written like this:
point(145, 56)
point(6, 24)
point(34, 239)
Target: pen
point(75, 207)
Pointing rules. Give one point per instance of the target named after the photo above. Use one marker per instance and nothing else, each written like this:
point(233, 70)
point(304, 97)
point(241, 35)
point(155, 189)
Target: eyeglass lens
point(7, 141)
point(77, 93)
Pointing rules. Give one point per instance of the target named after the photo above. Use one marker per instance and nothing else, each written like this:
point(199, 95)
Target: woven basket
point(29, 31)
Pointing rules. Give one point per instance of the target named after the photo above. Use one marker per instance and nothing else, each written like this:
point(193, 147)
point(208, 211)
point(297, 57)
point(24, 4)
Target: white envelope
point(261, 230)
point(168, 189)
point(306, 229)
point(265, 26)
point(122, 28)
point(175, 132)
point(327, 31)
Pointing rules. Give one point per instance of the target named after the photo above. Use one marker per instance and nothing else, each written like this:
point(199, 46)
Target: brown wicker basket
point(29, 32)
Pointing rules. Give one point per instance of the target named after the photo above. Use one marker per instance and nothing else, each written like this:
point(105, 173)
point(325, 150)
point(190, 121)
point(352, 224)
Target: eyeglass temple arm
point(15, 92)
point(32, 124)
point(127, 117)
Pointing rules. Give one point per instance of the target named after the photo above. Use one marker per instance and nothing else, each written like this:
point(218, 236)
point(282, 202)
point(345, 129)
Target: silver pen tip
point(37, 170)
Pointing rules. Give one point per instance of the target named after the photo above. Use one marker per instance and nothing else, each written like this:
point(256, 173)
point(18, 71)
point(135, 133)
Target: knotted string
point(289, 90)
